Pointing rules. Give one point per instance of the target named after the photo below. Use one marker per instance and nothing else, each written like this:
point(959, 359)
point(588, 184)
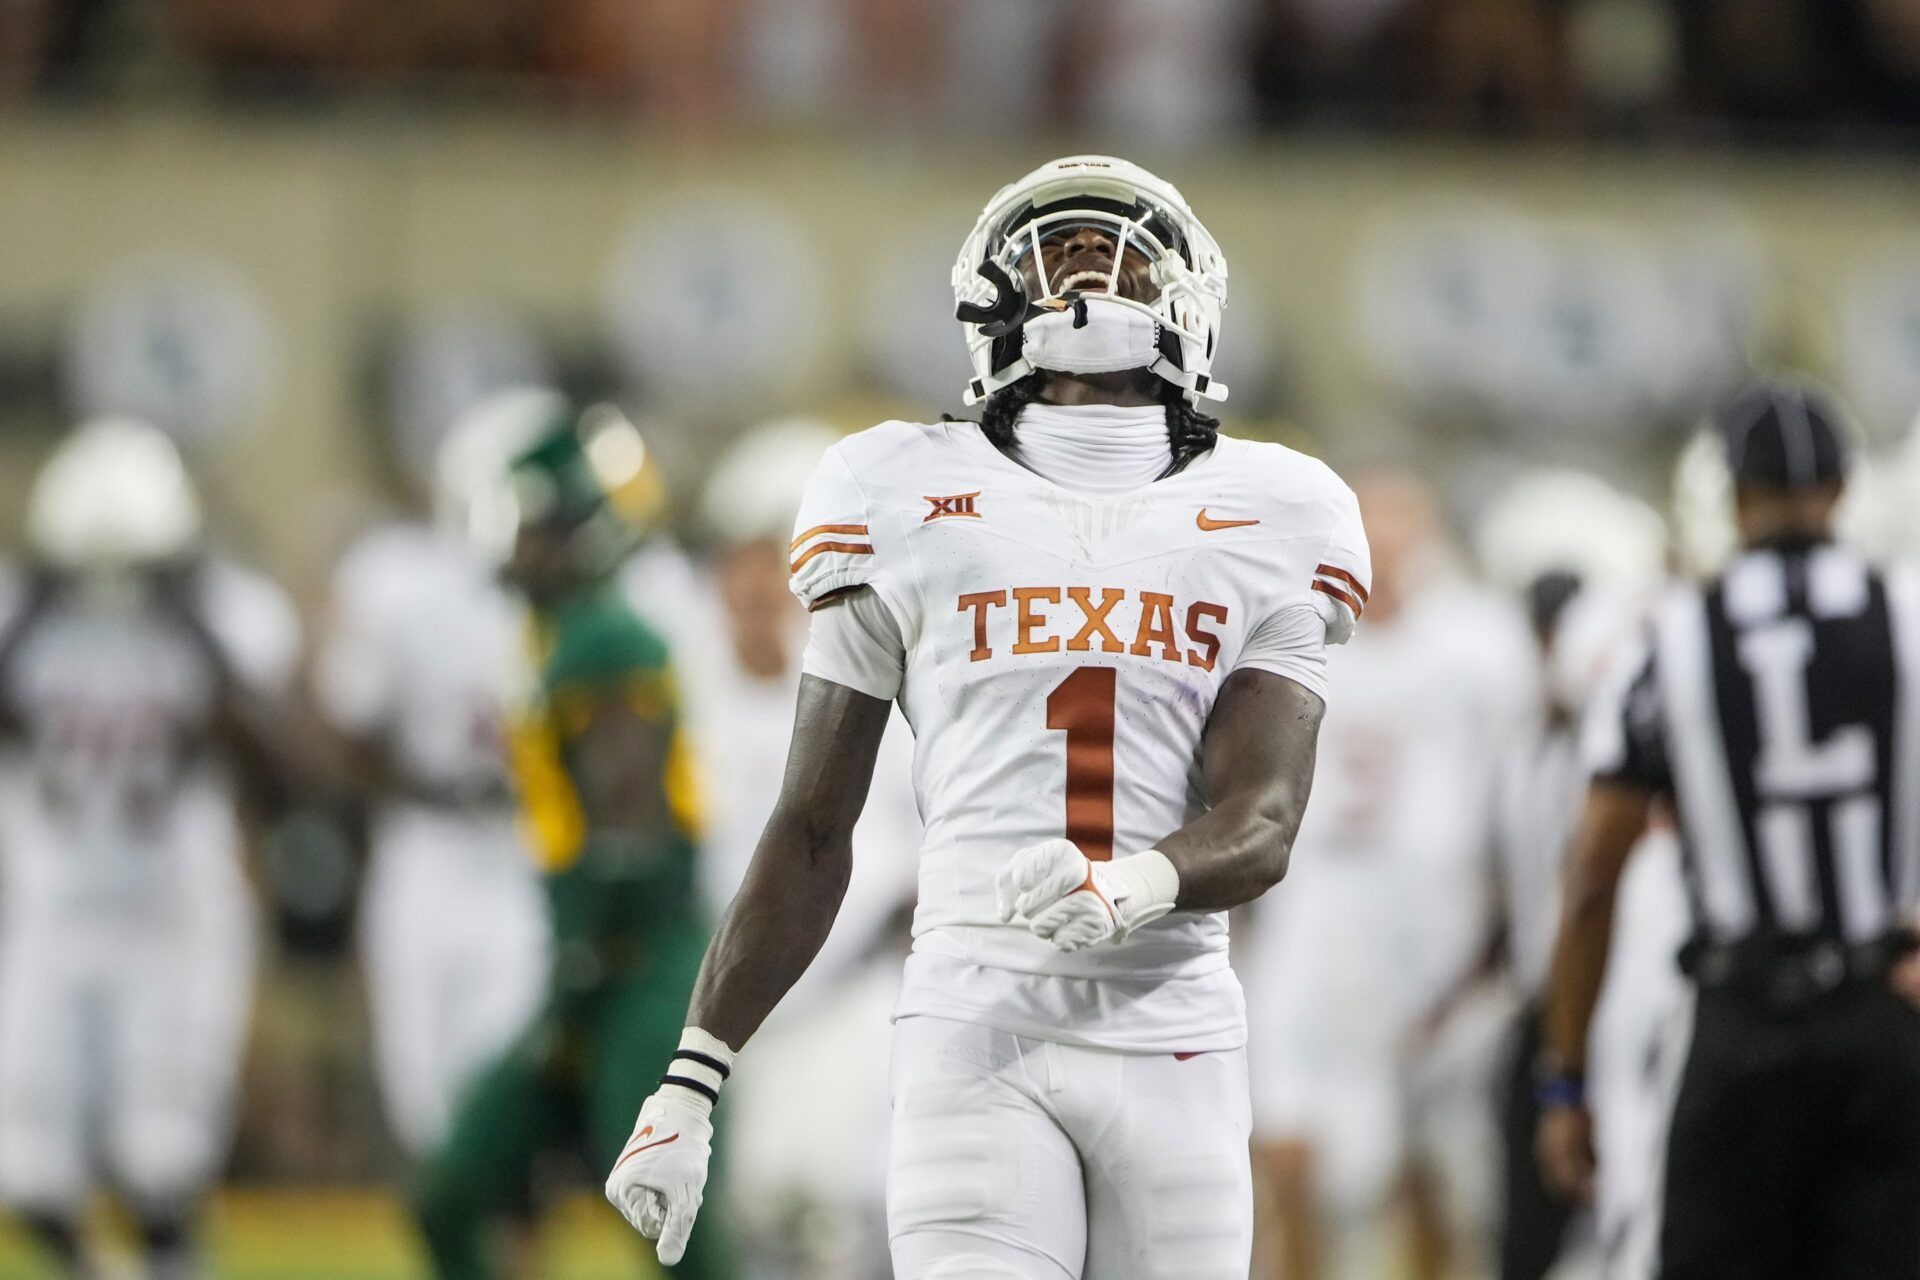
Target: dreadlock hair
point(1190, 432)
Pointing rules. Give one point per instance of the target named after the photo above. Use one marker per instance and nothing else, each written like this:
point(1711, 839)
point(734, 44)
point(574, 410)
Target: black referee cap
point(1785, 435)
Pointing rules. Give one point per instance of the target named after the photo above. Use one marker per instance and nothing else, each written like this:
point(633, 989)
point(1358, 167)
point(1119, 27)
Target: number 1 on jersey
point(1082, 707)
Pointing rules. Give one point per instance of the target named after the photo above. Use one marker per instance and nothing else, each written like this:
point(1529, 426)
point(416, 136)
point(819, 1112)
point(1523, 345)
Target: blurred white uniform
point(126, 923)
point(1057, 655)
point(1385, 909)
point(421, 658)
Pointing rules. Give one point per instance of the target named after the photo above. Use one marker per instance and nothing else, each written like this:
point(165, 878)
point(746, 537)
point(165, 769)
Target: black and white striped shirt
point(1778, 708)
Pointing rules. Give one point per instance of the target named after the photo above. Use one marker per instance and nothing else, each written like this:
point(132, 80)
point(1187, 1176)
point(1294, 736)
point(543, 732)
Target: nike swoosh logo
point(1208, 524)
point(634, 1151)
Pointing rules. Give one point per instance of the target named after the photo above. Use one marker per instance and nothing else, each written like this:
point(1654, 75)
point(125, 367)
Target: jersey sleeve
point(1344, 575)
point(832, 546)
point(1624, 738)
point(1291, 642)
point(855, 641)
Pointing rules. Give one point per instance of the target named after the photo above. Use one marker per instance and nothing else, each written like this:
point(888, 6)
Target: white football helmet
point(474, 498)
point(1573, 522)
point(757, 488)
point(114, 496)
point(1091, 330)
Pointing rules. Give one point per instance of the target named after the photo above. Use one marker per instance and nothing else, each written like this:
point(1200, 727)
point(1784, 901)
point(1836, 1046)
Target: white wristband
point(699, 1067)
point(1144, 887)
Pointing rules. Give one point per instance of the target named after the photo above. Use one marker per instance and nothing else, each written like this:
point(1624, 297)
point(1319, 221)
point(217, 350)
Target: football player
point(420, 657)
point(1371, 1072)
point(141, 685)
point(1106, 624)
point(602, 772)
point(1586, 559)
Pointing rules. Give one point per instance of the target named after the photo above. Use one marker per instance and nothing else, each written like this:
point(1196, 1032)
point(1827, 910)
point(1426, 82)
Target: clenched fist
point(661, 1176)
point(1075, 902)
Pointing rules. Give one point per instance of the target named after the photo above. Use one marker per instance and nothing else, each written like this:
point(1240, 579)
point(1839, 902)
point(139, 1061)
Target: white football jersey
point(115, 696)
point(1063, 654)
point(421, 651)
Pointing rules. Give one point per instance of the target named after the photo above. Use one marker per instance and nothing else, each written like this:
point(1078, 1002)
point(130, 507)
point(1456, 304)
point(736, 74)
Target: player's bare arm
point(793, 887)
point(1610, 828)
point(1257, 763)
point(771, 933)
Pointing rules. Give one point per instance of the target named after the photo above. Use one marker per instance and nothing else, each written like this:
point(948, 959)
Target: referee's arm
point(1610, 828)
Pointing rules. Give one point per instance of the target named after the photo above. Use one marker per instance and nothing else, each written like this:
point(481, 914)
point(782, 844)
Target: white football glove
point(661, 1176)
point(1074, 902)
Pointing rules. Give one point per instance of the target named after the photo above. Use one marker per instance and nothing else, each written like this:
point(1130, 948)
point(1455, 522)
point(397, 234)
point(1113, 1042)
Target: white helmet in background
point(1704, 534)
point(114, 496)
point(1572, 522)
point(1585, 557)
point(1878, 512)
point(474, 499)
point(756, 489)
point(1089, 329)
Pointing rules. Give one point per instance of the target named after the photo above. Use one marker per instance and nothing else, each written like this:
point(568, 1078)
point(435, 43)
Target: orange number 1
point(1082, 707)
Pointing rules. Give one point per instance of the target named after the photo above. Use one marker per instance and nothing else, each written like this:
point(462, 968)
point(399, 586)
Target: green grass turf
point(312, 1234)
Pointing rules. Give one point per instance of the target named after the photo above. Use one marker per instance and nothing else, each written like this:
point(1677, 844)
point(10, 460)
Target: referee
point(1776, 711)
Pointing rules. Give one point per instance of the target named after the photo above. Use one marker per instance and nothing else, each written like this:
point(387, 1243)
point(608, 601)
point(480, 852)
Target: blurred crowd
point(1187, 71)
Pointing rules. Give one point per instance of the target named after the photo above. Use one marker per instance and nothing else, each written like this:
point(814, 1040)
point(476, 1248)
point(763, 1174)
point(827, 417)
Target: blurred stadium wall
point(1387, 296)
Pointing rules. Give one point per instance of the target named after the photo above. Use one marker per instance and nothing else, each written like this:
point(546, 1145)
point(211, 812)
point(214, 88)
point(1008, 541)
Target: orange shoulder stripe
point(820, 548)
point(1335, 571)
point(1338, 594)
point(819, 529)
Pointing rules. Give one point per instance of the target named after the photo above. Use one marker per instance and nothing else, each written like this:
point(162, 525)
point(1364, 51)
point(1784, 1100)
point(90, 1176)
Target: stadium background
point(1466, 235)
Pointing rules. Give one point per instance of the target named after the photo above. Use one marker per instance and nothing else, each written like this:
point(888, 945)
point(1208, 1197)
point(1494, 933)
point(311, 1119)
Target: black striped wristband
point(698, 1086)
point(714, 1065)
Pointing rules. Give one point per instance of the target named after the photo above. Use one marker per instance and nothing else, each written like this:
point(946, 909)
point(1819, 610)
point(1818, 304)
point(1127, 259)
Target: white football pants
point(122, 1027)
point(456, 944)
point(1022, 1159)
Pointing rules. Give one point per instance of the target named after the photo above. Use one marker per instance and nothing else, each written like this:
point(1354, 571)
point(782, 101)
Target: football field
point(356, 1234)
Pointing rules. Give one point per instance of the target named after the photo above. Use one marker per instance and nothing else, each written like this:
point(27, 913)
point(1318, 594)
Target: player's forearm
point(1233, 853)
point(799, 873)
point(776, 926)
point(1579, 970)
point(1611, 825)
point(1257, 761)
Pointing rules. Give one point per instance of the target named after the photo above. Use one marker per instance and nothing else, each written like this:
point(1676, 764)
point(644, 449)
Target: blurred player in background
point(1370, 1078)
point(808, 1182)
point(422, 652)
point(604, 772)
point(143, 686)
point(1586, 559)
point(1107, 625)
